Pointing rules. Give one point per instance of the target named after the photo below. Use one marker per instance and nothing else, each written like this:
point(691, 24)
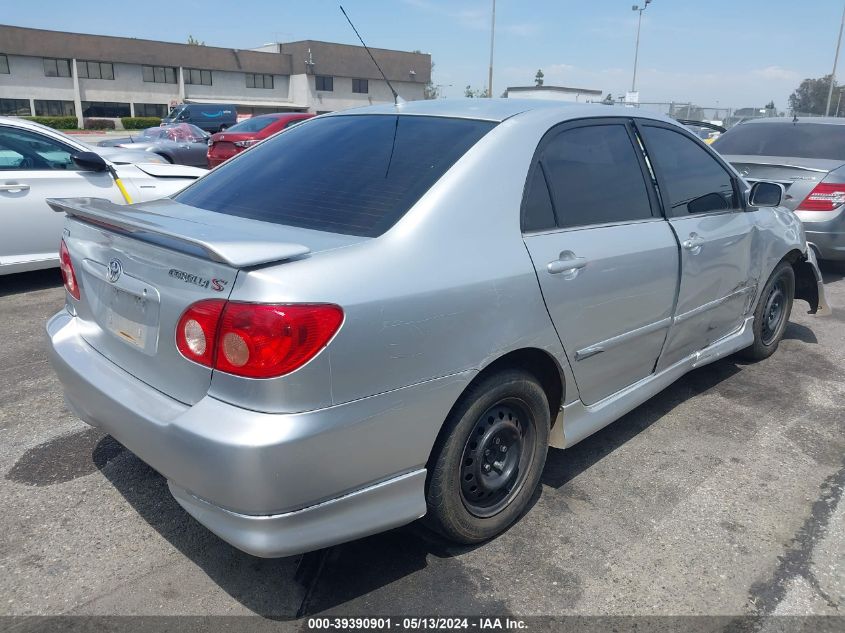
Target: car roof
point(499, 110)
point(825, 120)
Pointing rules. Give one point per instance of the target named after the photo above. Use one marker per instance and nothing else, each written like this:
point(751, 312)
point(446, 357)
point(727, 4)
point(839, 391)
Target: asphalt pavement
point(722, 495)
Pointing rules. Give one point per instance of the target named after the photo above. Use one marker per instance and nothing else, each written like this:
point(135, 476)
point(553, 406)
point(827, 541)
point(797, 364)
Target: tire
point(467, 503)
point(772, 313)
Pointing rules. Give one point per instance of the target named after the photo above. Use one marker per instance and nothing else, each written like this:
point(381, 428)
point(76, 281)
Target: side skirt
point(577, 421)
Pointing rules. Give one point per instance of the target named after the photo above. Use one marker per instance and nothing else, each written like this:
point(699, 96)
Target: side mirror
point(89, 161)
point(766, 194)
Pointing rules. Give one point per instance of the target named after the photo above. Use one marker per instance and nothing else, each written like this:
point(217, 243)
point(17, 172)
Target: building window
point(159, 74)
point(54, 108)
point(324, 83)
point(4, 65)
point(104, 109)
point(361, 86)
point(56, 67)
point(151, 109)
point(14, 107)
point(197, 77)
point(259, 81)
point(95, 70)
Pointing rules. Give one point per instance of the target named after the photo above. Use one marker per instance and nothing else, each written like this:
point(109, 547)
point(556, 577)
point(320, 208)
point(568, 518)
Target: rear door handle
point(693, 243)
point(13, 187)
point(567, 262)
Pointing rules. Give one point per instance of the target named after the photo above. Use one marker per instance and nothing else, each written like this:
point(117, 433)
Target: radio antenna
point(396, 98)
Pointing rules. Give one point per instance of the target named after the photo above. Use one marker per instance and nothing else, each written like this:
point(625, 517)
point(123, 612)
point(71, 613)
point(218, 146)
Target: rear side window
point(693, 180)
point(796, 140)
point(537, 211)
point(595, 176)
point(356, 175)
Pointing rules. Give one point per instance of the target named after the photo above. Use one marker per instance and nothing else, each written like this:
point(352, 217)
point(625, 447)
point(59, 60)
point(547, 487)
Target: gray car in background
point(181, 143)
point(392, 312)
point(807, 157)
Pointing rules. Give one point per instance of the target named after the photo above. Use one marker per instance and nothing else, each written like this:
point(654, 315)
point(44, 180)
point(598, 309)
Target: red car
point(223, 145)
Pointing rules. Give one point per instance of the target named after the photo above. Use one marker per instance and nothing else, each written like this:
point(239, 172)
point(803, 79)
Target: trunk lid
point(797, 175)
point(140, 267)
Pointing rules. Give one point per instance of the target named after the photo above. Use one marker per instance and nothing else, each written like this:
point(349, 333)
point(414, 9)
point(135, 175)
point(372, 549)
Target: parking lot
point(719, 496)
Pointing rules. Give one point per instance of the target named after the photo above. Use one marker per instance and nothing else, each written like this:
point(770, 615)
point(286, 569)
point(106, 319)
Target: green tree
point(538, 78)
point(770, 105)
point(475, 93)
point(194, 41)
point(811, 96)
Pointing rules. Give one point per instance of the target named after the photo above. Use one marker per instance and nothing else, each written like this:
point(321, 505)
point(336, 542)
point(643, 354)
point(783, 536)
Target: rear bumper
point(825, 231)
point(829, 246)
point(270, 484)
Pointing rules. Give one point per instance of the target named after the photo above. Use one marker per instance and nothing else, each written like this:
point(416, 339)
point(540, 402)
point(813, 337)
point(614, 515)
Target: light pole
point(492, 38)
point(835, 59)
point(637, 48)
point(440, 89)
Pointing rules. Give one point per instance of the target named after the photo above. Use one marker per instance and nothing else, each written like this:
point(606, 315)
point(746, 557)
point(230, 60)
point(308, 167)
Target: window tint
point(4, 65)
point(537, 211)
point(356, 175)
point(595, 176)
point(694, 181)
point(259, 81)
point(54, 108)
point(104, 109)
point(14, 107)
point(21, 149)
point(799, 140)
point(322, 82)
point(361, 86)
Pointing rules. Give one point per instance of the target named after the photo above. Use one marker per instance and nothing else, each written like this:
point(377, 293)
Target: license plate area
point(128, 309)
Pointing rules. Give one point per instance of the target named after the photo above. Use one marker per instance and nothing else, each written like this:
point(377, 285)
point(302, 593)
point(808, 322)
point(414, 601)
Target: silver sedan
point(37, 163)
point(392, 312)
point(181, 143)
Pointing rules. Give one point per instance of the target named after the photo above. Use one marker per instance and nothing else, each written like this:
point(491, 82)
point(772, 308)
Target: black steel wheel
point(497, 457)
point(488, 458)
point(771, 315)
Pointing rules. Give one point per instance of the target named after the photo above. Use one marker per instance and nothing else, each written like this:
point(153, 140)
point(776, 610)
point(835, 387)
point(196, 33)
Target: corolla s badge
point(115, 270)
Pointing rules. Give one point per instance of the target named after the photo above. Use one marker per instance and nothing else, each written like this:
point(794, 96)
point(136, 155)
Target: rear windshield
point(799, 140)
point(255, 124)
point(356, 175)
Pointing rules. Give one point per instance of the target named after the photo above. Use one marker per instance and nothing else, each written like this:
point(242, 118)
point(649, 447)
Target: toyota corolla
point(390, 313)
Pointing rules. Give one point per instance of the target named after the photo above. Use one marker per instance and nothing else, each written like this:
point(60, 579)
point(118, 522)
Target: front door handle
point(14, 187)
point(693, 243)
point(567, 263)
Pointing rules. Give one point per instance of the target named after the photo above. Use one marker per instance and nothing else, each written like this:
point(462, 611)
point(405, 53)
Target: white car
point(37, 163)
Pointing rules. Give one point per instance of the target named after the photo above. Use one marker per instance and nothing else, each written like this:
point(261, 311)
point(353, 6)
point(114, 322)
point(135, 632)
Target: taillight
point(255, 340)
point(825, 197)
point(68, 275)
point(196, 332)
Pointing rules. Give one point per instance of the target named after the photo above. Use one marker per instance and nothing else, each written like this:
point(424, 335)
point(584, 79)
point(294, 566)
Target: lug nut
point(496, 440)
point(486, 468)
point(503, 448)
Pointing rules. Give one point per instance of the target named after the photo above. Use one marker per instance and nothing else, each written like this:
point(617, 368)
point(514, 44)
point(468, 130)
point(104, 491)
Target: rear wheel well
point(532, 360)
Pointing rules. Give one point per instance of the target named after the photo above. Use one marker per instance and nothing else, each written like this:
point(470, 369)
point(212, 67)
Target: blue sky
point(717, 53)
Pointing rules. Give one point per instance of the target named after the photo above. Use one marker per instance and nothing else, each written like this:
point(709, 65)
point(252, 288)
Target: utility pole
point(492, 39)
point(835, 59)
point(637, 48)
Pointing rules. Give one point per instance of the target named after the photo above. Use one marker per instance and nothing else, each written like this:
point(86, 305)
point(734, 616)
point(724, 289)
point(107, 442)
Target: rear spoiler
point(234, 241)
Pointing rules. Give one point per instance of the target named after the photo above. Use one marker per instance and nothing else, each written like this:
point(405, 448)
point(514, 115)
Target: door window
point(537, 211)
point(595, 176)
point(692, 181)
point(21, 149)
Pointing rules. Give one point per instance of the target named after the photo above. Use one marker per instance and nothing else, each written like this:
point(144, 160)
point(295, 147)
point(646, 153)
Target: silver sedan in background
point(807, 157)
point(181, 143)
point(392, 312)
point(37, 163)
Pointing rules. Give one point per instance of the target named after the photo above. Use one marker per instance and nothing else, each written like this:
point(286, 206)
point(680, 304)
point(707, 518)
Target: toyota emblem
point(115, 270)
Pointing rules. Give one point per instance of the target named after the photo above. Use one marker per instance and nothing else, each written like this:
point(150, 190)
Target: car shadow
point(798, 332)
point(20, 283)
point(564, 465)
point(347, 575)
